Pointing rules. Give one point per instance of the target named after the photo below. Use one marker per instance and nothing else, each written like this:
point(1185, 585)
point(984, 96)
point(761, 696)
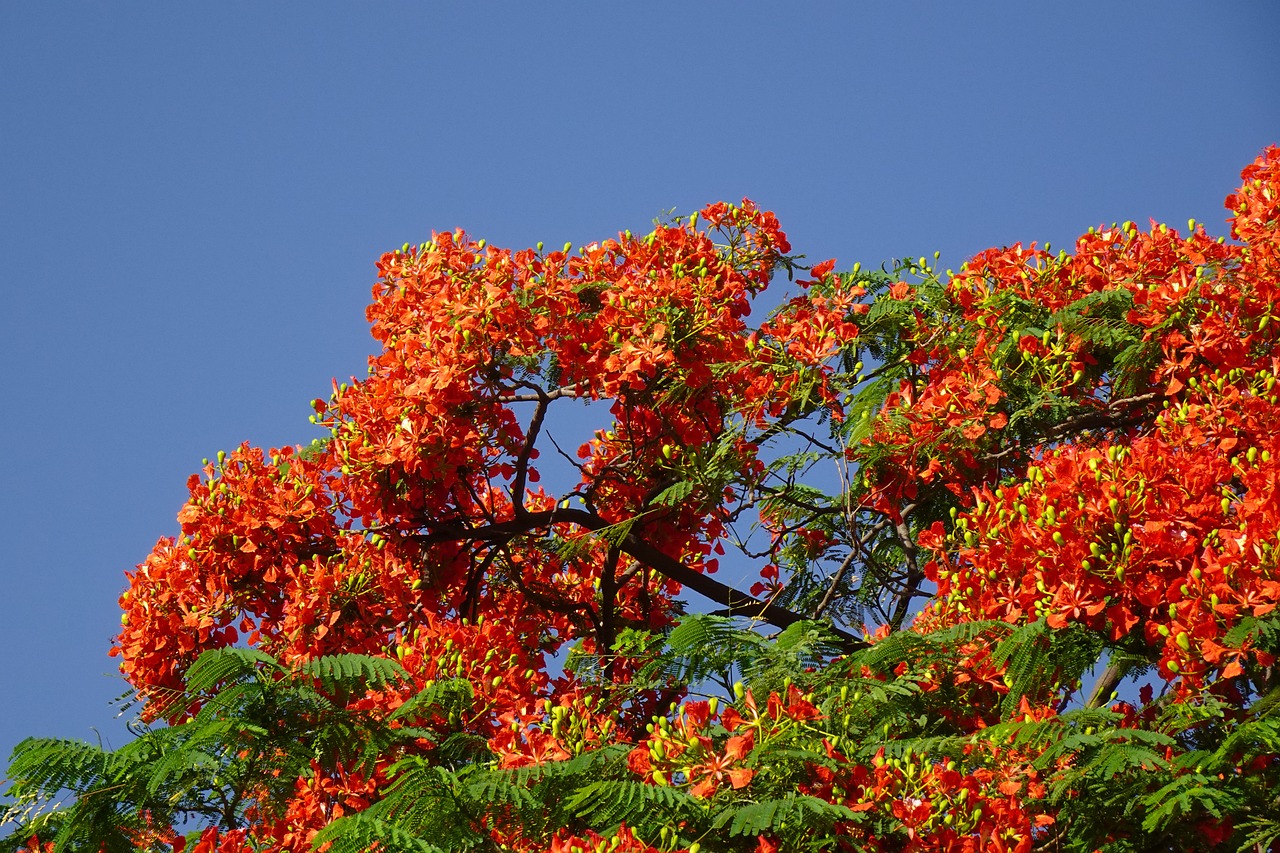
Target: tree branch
point(914, 576)
point(835, 583)
point(608, 594)
point(1106, 683)
point(541, 396)
point(737, 603)
point(522, 463)
point(1117, 413)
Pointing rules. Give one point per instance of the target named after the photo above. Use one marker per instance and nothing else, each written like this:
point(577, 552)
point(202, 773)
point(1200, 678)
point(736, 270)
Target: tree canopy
point(1010, 536)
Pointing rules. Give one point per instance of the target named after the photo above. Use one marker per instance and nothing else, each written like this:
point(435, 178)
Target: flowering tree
point(1016, 531)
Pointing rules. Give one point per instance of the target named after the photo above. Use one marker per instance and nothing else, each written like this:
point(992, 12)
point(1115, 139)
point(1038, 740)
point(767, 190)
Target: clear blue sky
point(192, 197)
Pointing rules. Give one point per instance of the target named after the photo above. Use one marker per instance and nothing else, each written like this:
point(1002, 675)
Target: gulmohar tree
point(1016, 530)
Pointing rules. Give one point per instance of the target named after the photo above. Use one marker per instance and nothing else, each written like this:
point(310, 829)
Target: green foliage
point(258, 718)
point(341, 674)
point(613, 801)
point(245, 730)
point(817, 816)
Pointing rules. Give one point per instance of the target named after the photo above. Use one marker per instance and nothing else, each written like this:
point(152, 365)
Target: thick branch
point(541, 396)
point(1106, 683)
point(1118, 414)
point(737, 603)
point(835, 583)
point(608, 593)
point(471, 594)
point(914, 576)
point(522, 464)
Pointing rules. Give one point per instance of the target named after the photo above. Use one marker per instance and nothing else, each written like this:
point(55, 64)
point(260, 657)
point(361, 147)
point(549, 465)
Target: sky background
point(193, 196)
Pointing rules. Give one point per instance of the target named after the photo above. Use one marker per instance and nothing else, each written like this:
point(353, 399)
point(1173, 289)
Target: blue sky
point(192, 198)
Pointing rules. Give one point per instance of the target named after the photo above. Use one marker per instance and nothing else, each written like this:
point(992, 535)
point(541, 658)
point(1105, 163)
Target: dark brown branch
point(735, 602)
point(1105, 417)
point(835, 583)
point(1117, 414)
point(475, 498)
point(811, 508)
point(914, 576)
point(526, 452)
point(471, 592)
point(608, 595)
point(570, 609)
